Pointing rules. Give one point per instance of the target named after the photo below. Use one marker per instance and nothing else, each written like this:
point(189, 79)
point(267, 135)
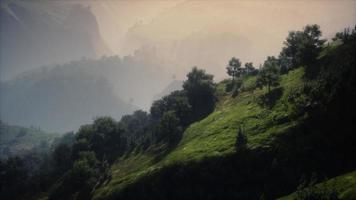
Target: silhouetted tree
point(301, 48)
point(200, 91)
point(345, 35)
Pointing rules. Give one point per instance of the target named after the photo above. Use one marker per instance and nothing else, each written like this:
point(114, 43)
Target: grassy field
point(215, 135)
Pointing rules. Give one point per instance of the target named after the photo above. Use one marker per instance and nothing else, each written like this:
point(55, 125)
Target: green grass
point(345, 185)
point(216, 134)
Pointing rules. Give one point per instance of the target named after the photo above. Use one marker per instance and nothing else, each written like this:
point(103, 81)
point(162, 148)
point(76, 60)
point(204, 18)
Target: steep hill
point(281, 128)
point(289, 135)
point(211, 140)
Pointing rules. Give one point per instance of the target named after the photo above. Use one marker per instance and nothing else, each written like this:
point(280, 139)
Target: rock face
point(33, 34)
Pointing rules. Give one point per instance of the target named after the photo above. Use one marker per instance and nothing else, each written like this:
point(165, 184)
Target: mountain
point(59, 98)
point(17, 140)
point(35, 33)
point(62, 97)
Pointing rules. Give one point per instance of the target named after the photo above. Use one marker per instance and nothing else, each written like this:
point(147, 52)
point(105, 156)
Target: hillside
point(345, 185)
point(214, 137)
point(263, 134)
point(17, 140)
point(290, 134)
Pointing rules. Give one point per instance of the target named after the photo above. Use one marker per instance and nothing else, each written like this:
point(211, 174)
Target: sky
point(259, 26)
point(207, 33)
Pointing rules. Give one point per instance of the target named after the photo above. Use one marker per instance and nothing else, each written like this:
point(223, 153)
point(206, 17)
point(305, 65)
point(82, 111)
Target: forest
point(284, 129)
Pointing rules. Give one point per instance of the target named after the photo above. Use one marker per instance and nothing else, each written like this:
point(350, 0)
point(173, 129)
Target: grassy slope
point(216, 134)
point(345, 185)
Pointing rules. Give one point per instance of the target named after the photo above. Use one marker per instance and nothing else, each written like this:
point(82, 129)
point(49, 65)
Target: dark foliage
point(178, 102)
point(269, 75)
point(200, 91)
point(301, 48)
point(241, 140)
point(271, 98)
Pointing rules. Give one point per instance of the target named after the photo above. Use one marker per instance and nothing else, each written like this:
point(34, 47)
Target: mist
point(129, 53)
point(208, 33)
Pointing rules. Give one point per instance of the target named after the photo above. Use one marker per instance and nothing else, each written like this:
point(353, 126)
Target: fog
point(55, 55)
point(208, 33)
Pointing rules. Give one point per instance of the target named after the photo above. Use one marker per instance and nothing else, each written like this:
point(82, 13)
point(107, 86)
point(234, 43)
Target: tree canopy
point(200, 90)
point(301, 48)
point(269, 74)
point(234, 68)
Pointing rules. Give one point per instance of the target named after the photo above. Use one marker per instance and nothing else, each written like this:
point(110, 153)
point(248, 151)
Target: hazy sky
point(257, 28)
point(207, 33)
point(117, 16)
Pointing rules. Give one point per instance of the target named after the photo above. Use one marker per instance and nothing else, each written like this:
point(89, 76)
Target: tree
point(178, 102)
point(311, 45)
point(62, 157)
point(302, 47)
point(136, 127)
point(345, 35)
point(269, 74)
point(104, 137)
point(106, 140)
point(200, 91)
point(250, 69)
point(80, 180)
point(234, 68)
point(169, 128)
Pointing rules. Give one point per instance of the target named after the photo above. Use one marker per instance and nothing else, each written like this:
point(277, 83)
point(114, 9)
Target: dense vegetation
point(250, 137)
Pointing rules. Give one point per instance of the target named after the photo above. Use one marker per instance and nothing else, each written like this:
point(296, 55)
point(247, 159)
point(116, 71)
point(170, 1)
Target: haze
point(255, 29)
point(59, 53)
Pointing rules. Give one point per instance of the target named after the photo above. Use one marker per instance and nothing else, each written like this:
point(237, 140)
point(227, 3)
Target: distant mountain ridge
point(33, 34)
point(17, 140)
point(59, 98)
